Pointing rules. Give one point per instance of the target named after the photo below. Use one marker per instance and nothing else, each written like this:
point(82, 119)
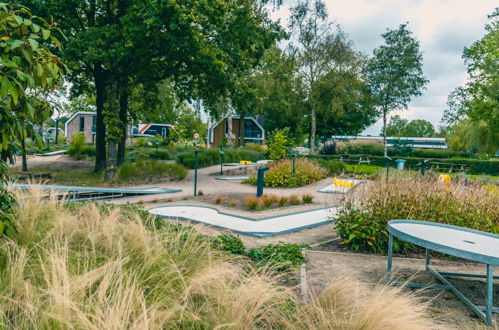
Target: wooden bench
point(448, 167)
point(358, 159)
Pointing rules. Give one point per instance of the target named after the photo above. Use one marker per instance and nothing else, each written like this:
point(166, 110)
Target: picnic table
point(448, 167)
point(464, 243)
point(359, 159)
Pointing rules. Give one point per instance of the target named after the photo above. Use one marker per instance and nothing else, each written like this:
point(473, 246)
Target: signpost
point(196, 151)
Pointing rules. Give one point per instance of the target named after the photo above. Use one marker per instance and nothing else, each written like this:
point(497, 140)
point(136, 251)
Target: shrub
point(212, 157)
point(280, 174)
point(142, 142)
point(252, 202)
point(234, 203)
point(333, 167)
point(307, 199)
point(268, 200)
point(294, 199)
point(283, 201)
point(148, 170)
point(77, 142)
point(363, 226)
point(228, 242)
point(360, 147)
point(218, 199)
point(100, 268)
point(279, 144)
point(255, 147)
point(281, 256)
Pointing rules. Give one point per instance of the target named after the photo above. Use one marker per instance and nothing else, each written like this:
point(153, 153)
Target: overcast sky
point(443, 27)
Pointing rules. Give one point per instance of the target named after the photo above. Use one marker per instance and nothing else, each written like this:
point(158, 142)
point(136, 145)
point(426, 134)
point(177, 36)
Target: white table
point(456, 241)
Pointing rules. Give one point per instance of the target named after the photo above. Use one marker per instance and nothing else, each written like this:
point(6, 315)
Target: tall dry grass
point(103, 269)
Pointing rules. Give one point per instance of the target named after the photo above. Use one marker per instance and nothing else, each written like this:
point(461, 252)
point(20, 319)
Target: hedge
point(212, 157)
point(487, 167)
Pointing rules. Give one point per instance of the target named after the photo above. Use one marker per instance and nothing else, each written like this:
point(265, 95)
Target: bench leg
point(390, 252)
point(490, 295)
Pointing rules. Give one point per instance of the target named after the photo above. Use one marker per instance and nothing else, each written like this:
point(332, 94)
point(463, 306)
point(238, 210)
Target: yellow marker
point(444, 178)
point(343, 183)
point(245, 162)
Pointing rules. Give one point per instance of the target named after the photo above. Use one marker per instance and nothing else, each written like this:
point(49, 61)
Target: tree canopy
point(477, 103)
point(414, 128)
point(395, 72)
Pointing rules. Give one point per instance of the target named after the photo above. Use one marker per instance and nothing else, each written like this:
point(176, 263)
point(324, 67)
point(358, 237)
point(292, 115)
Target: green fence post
point(259, 184)
point(221, 159)
point(195, 172)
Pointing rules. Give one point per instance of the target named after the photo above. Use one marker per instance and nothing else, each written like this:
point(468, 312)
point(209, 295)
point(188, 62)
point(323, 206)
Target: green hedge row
point(487, 167)
point(212, 157)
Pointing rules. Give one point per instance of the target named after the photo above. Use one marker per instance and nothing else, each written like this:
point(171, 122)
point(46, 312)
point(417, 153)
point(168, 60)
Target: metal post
point(259, 184)
point(427, 255)
point(490, 295)
point(390, 252)
point(294, 168)
point(195, 172)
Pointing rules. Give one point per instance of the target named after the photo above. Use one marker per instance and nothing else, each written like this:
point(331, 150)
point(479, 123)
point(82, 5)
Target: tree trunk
point(124, 122)
point(100, 130)
point(230, 139)
point(384, 132)
point(313, 128)
point(111, 161)
point(24, 160)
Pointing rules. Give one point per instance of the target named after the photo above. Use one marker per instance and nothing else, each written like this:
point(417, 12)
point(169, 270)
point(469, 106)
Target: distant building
point(253, 130)
point(152, 129)
point(414, 142)
point(81, 121)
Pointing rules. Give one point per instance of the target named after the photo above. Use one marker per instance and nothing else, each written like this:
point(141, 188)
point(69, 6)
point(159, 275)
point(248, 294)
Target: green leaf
point(39, 70)
point(45, 34)
point(2, 226)
point(16, 43)
point(4, 89)
point(36, 28)
point(18, 19)
point(14, 92)
point(56, 41)
point(8, 63)
point(30, 110)
point(33, 43)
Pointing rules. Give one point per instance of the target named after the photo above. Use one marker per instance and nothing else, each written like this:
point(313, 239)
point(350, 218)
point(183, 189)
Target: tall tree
point(395, 73)
point(315, 48)
point(477, 103)
point(117, 44)
point(414, 128)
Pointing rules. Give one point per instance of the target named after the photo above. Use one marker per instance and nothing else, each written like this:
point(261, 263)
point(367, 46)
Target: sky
point(443, 28)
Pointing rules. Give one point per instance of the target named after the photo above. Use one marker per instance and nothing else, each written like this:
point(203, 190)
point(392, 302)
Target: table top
point(457, 241)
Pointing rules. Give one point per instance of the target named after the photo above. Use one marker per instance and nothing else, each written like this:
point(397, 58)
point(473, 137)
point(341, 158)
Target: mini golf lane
point(276, 225)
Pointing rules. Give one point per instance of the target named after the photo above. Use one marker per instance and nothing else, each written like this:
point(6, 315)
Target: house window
point(82, 123)
point(251, 130)
point(226, 126)
point(94, 123)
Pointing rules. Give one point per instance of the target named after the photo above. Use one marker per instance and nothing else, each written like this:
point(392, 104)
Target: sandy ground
point(326, 267)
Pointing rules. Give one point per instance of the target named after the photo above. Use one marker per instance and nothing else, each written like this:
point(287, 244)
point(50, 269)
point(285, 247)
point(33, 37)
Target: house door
point(164, 132)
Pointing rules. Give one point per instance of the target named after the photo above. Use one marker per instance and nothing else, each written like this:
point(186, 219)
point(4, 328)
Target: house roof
point(73, 116)
point(212, 127)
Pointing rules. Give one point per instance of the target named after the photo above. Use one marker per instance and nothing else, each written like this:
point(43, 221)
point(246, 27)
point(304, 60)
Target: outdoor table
point(456, 241)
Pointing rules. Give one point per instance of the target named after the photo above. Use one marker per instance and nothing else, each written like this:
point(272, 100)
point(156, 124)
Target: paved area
point(263, 227)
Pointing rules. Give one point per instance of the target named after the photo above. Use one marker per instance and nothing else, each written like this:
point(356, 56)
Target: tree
point(116, 45)
point(419, 128)
point(343, 101)
point(28, 71)
point(396, 126)
point(414, 128)
point(315, 50)
point(279, 93)
point(476, 105)
point(395, 72)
